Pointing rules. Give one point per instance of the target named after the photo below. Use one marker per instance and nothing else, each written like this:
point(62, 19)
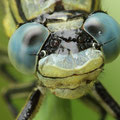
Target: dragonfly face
point(64, 69)
point(65, 46)
point(73, 57)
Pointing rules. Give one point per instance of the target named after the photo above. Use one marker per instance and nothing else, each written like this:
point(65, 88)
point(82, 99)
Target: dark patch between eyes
point(84, 40)
point(52, 44)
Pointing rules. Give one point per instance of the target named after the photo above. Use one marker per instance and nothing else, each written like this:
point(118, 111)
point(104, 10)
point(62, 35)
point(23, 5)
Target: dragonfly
point(65, 44)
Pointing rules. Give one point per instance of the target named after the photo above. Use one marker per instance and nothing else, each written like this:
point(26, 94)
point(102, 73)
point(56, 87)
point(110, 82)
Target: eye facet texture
point(106, 31)
point(24, 45)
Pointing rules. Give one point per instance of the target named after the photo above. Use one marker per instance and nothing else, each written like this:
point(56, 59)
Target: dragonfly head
point(67, 57)
point(71, 63)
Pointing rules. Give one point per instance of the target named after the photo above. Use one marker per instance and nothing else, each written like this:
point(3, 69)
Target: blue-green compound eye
point(26, 41)
point(105, 30)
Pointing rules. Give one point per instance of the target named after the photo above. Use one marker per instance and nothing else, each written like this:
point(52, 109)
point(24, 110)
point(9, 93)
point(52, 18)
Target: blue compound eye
point(106, 31)
point(26, 41)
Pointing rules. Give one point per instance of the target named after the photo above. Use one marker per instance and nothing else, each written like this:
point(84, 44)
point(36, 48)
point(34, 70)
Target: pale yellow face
point(70, 76)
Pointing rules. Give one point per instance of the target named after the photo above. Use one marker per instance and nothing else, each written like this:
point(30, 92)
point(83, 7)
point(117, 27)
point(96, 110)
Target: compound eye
point(106, 31)
point(24, 45)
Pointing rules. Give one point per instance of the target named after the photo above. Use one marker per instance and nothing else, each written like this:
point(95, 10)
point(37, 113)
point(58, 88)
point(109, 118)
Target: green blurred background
point(110, 76)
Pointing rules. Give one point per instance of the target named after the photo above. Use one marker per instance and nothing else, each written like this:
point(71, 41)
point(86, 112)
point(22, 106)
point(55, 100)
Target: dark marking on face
point(52, 44)
point(68, 41)
point(84, 40)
